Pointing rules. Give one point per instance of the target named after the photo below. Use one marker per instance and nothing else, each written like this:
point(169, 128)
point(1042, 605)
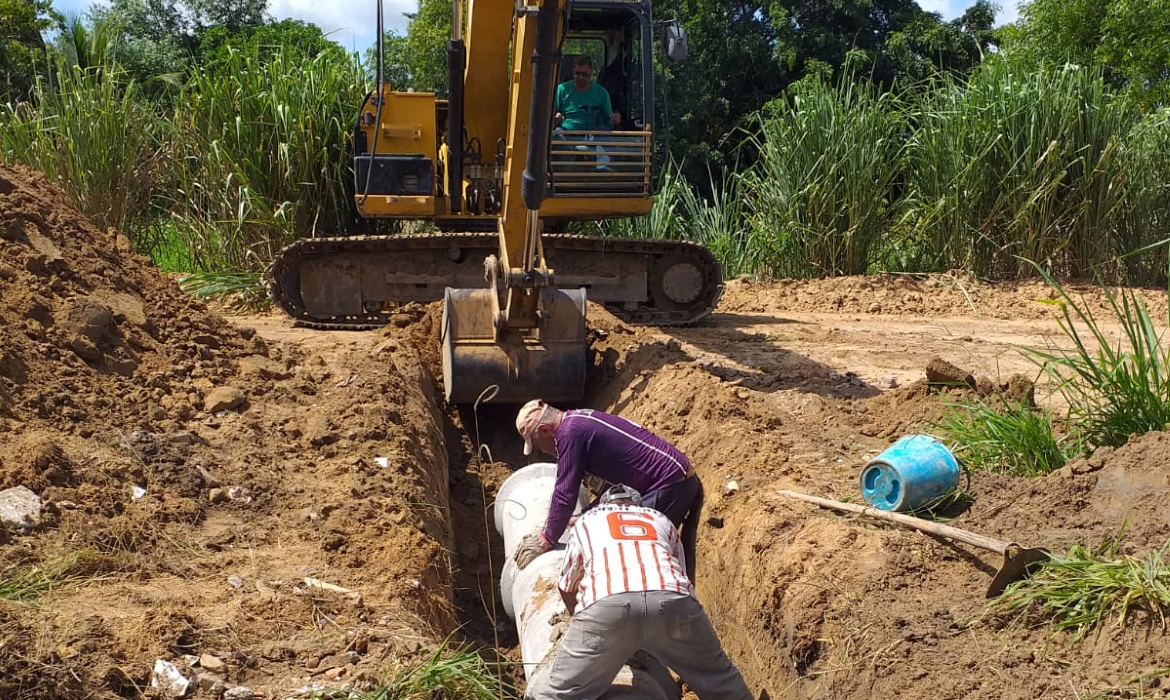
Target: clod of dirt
point(941, 372)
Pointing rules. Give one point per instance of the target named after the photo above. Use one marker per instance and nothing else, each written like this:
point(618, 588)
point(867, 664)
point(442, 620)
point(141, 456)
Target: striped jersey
point(613, 448)
point(620, 549)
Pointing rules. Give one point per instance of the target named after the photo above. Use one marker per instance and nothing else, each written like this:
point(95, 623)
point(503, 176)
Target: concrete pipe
point(530, 595)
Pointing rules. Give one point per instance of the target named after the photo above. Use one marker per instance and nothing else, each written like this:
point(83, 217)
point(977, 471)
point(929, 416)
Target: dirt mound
point(811, 604)
point(955, 294)
point(195, 479)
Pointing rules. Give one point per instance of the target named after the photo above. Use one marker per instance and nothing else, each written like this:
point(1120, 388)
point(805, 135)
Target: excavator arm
point(514, 301)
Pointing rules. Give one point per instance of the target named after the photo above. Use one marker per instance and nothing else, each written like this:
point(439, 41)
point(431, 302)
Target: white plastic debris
point(382, 462)
point(169, 680)
point(136, 492)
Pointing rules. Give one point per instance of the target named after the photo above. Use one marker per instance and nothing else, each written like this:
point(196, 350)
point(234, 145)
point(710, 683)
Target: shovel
point(1018, 561)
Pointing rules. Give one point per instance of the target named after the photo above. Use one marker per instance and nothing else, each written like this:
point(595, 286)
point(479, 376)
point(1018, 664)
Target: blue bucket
point(909, 473)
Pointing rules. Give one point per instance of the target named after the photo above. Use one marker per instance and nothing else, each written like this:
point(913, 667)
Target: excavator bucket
point(546, 362)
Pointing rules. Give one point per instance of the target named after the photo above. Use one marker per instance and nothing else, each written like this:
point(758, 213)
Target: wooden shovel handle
point(953, 533)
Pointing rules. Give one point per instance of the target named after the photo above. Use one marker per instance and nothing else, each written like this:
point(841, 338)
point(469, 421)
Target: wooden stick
point(953, 533)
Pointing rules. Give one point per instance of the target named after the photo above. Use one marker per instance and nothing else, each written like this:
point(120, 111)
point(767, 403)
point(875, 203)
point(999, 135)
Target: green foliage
point(272, 163)
point(1008, 438)
point(1114, 389)
point(1126, 39)
point(1083, 590)
point(22, 49)
point(821, 192)
point(1017, 165)
point(418, 60)
point(296, 39)
point(242, 292)
point(95, 136)
point(455, 674)
point(28, 582)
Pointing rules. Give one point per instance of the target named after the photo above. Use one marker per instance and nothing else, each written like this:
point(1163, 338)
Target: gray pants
point(670, 626)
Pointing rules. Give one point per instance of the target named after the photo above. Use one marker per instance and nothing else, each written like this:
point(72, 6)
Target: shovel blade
point(1018, 563)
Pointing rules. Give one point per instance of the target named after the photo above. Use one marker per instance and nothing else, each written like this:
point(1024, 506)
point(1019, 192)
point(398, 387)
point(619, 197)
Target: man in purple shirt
point(617, 451)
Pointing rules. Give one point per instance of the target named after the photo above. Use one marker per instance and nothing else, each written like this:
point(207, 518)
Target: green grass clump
point(27, 583)
point(1082, 590)
point(459, 674)
point(242, 292)
point(1013, 438)
point(1118, 388)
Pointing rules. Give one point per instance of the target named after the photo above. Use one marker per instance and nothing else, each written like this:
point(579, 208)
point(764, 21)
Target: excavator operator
point(581, 104)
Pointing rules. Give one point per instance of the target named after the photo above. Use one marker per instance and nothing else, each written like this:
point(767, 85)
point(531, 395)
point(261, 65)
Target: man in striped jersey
point(624, 565)
point(616, 450)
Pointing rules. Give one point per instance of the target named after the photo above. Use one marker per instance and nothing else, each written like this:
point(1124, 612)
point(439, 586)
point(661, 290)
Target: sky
point(352, 23)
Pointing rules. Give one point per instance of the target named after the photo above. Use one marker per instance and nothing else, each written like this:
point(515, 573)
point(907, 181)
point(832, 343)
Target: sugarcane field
point(859, 348)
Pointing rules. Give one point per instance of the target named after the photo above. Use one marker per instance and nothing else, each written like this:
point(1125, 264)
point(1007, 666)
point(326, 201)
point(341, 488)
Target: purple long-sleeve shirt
point(614, 449)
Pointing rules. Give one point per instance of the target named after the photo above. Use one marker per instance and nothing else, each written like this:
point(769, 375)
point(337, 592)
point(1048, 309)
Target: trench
point(484, 450)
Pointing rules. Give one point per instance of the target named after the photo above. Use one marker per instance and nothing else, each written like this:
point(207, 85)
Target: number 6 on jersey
point(631, 526)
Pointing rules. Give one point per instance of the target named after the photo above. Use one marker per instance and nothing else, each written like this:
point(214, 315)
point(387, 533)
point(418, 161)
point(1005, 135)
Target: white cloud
point(349, 24)
point(950, 9)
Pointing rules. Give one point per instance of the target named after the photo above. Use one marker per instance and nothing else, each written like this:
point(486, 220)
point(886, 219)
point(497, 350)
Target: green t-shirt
point(584, 109)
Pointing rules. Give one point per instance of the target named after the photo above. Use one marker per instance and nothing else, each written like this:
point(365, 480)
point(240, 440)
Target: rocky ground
point(269, 510)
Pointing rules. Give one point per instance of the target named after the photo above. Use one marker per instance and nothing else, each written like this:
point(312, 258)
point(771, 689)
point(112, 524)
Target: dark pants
point(682, 502)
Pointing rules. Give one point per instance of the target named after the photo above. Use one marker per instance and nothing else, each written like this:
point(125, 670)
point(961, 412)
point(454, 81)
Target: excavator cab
point(501, 182)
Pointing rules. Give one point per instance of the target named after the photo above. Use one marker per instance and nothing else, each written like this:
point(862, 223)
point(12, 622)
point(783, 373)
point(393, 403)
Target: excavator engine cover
point(547, 362)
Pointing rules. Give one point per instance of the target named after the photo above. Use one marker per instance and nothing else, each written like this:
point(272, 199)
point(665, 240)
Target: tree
point(418, 60)
point(232, 15)
point(292, 36)
point(1126, 39)
point(22, 48)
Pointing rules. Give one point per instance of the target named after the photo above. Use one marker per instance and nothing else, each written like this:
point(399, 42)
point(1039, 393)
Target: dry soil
point(202, 477)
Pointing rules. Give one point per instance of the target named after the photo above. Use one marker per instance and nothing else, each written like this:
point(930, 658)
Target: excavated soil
point(208, 483)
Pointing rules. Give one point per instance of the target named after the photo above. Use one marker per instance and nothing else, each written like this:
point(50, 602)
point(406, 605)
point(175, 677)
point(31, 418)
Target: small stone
point(260, 366)
point(235, 582)
point(212, 663)
point(184, 438)
point(224, 398)
point(939, 371)
point(267, 593)
point(211, 683)
point(240, 692)
point(335, 673)
point(890, 382)
point(20, 509)
point(85, 349)
point(217, 496)
point(208, 478)
point(731, 488)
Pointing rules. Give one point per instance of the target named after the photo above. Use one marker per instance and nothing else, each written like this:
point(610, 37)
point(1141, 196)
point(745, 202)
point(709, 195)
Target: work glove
point(530, 548)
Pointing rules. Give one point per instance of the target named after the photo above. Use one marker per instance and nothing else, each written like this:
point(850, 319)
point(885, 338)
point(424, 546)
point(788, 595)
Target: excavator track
point(356, 282)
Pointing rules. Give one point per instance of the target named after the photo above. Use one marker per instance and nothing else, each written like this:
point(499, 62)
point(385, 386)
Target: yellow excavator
point(493, 171)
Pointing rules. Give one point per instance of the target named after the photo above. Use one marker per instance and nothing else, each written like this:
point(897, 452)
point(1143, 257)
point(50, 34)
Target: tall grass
point(1019, 164)
point(821, 194)
point(262, 157)
point(93, 134)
